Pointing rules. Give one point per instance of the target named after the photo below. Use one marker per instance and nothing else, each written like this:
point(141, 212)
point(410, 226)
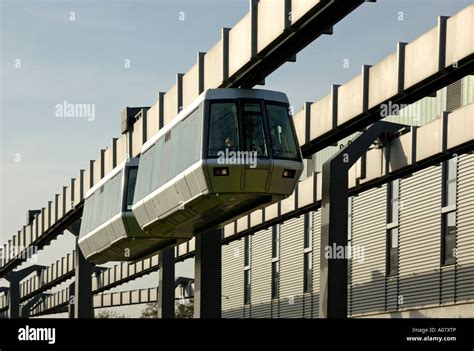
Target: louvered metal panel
point(467, 90)
point(308, 305)
point(447, 287)
point(233, 279)
point(275, 306)
point(454, 96)
point(419, 239)
point(368, 242)
point(465, 229)
point(316, 239)
point(261, 274)
point(247, 311)
point(291, 268)
point(291, 307)
point(233, 313)
point(391, 293)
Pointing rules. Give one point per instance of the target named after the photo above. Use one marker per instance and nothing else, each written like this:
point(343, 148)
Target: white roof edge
point(128, 162)
point(212, 94)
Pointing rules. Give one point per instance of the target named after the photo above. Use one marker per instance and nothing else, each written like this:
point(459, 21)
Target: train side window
point(87, 217)
point(108, 198)
point(195, 132)
point(132, 179)
point(99, 207)
point(116, 190)
point(144, 174)
point(223, 128)
point(156, 167)
point(173, 158)
point(165, 162)
point(186, 139)
point(283, 139)
point(113, 192)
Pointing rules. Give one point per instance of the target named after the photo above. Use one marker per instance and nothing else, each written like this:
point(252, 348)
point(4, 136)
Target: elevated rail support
point(335, 193)
point(208, 275)
point(82, 300)
point(15, 277)
point(166, 287)
point(27, 307)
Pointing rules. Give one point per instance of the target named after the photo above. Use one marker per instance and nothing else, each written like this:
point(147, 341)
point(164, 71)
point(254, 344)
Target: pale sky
point(82, 61)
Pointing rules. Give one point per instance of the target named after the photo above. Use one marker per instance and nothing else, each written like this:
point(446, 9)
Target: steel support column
point(32, 303)
point(208, 272)
point(83, 286)
point(166, 287)
point(70, 305)
point(333, 270)
point(82, 301)
point(15, 277)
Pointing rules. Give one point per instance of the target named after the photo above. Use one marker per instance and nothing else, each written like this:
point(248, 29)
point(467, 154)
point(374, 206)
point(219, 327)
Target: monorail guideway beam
point(83, 297)
point(15, 277)
point(207, 274)
point(166, 287)
point(333, 270)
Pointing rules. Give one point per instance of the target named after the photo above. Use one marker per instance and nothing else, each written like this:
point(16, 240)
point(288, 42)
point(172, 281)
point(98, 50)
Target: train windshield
point(239, 125)
point(281, 132)
point(224, 128)
point(254, 131)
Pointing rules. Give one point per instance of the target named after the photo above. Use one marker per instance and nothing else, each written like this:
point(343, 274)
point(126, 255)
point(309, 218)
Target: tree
point(183, 310)
point(109, 314)
point(150, 311)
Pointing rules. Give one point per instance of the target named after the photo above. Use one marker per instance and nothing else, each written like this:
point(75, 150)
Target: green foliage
point(150, 311)
point(109, 314)
point(183, 310)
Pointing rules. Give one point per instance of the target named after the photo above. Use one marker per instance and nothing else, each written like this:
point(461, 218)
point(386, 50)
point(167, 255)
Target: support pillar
point(72, 297)
point(26, 309)
point(15, 277)
point(208, 273)
point(333, 270)
point(83, 286)
point(82, 301)
point(166, 287)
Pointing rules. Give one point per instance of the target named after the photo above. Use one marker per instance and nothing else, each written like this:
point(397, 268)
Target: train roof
point(128, 162)
point(213, 94)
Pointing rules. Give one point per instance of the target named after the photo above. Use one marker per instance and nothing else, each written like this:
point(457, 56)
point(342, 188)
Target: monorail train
point(230, 152)
point(109, 230)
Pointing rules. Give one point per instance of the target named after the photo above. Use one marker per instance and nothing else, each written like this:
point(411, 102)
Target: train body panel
point(230, 152)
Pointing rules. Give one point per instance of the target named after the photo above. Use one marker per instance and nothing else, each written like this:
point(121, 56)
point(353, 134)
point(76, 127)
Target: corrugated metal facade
point(421, 280)
point(368, 239)
point(233, 280)
point(316, 232)
point(261, 274)
point(420, 228)
point(291, 268)
point(465, 229)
